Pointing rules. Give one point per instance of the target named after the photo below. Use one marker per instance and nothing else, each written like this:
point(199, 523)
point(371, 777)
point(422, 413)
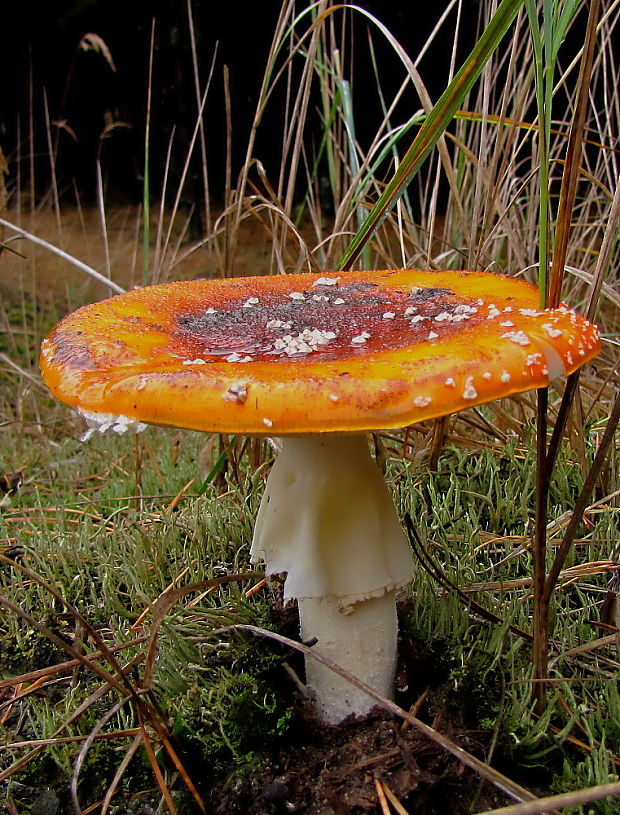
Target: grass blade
point(84, 267)
point(572, 164)
point(146, 192)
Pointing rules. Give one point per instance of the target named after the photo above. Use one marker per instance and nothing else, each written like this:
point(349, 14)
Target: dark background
point(41, 64)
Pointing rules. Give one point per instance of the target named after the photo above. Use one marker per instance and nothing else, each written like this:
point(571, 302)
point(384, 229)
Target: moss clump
point(233, 720)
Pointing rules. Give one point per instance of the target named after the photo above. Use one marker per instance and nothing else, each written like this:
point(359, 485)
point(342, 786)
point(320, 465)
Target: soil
point(335, 770)
point(328, 771)
point(78, 233)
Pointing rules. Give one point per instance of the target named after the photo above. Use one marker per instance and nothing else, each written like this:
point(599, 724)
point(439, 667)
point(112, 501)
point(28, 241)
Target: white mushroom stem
point(328, 520)
point(364, 642)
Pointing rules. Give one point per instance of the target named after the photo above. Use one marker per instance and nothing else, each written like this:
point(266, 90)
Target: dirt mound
point(345, 770)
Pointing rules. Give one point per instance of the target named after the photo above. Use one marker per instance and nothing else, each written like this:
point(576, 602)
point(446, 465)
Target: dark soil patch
point(334, 770)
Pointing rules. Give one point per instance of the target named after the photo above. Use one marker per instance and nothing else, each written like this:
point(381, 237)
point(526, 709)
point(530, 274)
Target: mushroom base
point(328, 520)
point(363, 642)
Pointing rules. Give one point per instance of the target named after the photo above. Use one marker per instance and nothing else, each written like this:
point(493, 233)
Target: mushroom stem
point(363, 642)
point(328, 520)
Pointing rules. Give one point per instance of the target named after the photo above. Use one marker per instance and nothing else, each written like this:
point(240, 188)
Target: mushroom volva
point(318, 361)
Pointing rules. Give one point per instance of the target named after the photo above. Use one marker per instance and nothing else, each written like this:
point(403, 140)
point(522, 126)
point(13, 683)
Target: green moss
point(233, 721)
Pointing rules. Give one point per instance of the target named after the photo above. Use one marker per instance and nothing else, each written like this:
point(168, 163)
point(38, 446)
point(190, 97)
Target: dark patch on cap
point(72, 355)
point(427, 294)
point(322, 322)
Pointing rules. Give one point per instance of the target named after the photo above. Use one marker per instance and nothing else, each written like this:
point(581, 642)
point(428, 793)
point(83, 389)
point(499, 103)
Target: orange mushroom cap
point(309, 353)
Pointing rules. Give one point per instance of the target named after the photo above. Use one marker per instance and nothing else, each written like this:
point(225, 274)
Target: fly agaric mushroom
point(319, 361)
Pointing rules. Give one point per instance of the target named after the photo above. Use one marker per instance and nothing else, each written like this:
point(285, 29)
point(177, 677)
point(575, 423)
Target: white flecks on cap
point(101, 422)
point(333, 397)
point(308, 340)
point(450, 382)
point(361, 338)
point(320, 298)
point(507, 324)
point(417, 319)
point(278, 324)
point(210, 310)
point(389, 315)
point(422, 401)
point(297, 295)
point(326, 281)
point(267, 422)
point(47, 351)
point(237, 392)
point(551, 331)
point(338, 301)
point(518, 337)
point(291, 345)
point(470, 392)
point(486, 375)
point(533, 359)
point(505, 377)
point(463, 308)
point(432, 335)
point(410, 310)
point(251, 301)
point(235, 357)
point(197, 361)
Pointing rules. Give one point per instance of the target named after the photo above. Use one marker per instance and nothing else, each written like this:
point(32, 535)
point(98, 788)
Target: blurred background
point(76, 78)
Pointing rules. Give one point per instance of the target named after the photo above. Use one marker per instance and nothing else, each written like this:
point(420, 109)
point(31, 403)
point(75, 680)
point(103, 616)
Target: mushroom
point(318, 361)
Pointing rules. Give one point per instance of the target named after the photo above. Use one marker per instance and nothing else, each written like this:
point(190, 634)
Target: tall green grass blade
point(212, 473)
point(572, 164)
point(349, 122)
point(146, 193)
point(544, 86)
point(330, 110)
point(325, 149)
point(434, 126)
point(567, 12)
point(546, 40)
